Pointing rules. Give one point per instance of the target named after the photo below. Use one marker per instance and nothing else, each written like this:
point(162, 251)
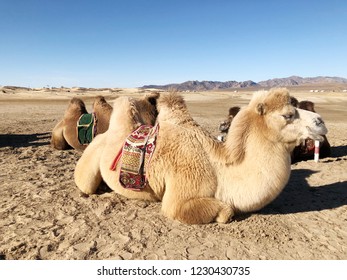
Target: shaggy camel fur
point(64, 134)
point(225, 125)
point(197, 178)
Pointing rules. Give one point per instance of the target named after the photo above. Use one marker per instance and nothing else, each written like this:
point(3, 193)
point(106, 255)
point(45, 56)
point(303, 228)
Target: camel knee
point(87, 176)
point(86, 183)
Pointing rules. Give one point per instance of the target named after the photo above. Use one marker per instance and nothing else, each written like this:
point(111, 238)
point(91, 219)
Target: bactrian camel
point(304, 151)
point(197, 178)
point(64, 134)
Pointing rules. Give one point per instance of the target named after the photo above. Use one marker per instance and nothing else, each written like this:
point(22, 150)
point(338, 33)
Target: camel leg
point(203, 210)
point(225, 214)
point(87, 170)
point(58, 141)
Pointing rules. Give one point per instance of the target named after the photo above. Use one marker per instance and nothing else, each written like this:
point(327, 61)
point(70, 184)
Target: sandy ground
point(44, 216)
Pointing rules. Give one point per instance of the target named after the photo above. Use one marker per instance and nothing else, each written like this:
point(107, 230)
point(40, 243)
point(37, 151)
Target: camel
point(305, 151)
point(197, 178)
point(64, 134)
point(225, 125)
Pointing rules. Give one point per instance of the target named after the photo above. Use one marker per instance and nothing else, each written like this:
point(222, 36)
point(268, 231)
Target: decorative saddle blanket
point(135, 157)
point(86, 128)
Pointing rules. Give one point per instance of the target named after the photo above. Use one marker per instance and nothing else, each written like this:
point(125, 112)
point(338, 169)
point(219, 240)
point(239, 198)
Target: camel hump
point(123, 101)
point(306, 105)
point(234, 110)
point(125, 111)
point(76, 106)
point(172, 100)
point(152, 97)
point(100, 101)
point(77, 102)
point(294, 101)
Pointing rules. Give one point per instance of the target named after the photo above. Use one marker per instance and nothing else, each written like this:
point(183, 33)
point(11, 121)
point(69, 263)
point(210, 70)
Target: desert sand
point(44, 216)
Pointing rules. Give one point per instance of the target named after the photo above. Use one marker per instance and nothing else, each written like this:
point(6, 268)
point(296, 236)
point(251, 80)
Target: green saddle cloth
point(86, 128)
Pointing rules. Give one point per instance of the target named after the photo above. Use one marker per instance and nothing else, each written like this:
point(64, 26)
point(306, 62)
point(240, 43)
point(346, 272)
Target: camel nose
point(319, 121)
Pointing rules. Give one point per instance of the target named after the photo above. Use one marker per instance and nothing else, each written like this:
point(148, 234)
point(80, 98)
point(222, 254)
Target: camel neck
point(253, 182)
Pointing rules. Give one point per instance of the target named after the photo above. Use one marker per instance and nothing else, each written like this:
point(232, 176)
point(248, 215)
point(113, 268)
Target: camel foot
point(224, 216)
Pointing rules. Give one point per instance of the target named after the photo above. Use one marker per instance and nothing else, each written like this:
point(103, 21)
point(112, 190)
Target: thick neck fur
point(254, 169)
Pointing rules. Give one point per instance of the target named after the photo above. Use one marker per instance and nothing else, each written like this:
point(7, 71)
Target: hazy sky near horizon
point(105, 43)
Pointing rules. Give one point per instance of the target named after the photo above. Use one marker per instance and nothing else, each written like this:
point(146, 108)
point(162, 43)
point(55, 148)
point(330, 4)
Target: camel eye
point(288, 117)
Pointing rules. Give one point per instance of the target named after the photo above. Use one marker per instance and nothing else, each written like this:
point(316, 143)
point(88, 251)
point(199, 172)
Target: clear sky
point(119, 43)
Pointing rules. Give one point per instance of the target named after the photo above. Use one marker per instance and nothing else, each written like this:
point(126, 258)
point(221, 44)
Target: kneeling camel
point(197, 178)
point(65, 134)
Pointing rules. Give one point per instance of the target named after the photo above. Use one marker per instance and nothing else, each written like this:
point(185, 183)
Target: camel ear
point(261, 109)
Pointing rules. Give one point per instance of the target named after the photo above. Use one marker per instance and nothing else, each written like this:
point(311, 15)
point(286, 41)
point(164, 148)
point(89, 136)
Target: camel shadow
point(24, 140)
point(298, 196)
point(339, 151)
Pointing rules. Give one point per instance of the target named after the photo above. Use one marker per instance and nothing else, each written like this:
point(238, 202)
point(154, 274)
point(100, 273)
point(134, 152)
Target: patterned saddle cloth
point(135, 157)
point(86, 128)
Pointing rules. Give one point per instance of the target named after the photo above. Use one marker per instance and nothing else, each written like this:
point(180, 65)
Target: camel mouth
point(317, 133)
point(319, 138)
point(322, 129)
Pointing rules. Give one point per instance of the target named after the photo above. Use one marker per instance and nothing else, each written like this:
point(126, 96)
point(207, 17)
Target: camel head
point(280, 121)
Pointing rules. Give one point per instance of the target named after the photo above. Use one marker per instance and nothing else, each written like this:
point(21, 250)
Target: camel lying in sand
point(304, 151)
point(64, 134)
point(197, 178)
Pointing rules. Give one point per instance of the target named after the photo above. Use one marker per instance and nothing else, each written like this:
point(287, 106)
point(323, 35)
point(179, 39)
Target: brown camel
point(197, 178)
point(65, 133)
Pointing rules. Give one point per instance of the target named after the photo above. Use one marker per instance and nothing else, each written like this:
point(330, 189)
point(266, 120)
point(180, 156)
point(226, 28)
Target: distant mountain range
point(278, 82)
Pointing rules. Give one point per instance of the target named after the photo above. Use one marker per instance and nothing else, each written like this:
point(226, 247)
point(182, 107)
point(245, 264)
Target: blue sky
point(104, 43)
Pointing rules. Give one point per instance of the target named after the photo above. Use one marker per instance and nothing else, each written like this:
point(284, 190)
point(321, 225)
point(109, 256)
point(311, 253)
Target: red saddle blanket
point(135, 157)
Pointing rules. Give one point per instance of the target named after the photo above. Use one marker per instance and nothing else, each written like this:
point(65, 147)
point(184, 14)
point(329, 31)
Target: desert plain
point(43, 215)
